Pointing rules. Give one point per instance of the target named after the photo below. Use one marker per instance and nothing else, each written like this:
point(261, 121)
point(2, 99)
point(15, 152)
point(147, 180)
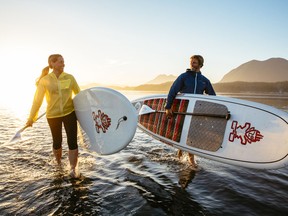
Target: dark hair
point(45, 71)
point(199, 58)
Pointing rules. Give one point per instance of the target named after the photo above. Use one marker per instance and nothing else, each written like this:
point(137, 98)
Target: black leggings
point(70, 125)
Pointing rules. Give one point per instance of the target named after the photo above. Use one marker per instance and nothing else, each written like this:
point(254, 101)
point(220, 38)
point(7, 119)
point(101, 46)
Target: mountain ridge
point(270, 70)
point(270, 75)
point(162, 78)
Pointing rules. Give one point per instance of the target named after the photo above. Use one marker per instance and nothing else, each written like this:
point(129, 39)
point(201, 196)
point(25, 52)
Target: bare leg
point(58, 155)
point(191, 160)
point(73, 159)
point(179, 153)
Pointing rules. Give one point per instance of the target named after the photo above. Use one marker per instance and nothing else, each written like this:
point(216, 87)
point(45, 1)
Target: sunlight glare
point(18, 87)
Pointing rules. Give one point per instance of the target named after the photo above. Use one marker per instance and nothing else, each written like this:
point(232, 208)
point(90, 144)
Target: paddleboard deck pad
point(107, 117)
point(224, 129)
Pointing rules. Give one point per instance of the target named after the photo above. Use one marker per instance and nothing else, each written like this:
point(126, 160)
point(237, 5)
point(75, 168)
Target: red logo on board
point(245, 133)
point(102, 121)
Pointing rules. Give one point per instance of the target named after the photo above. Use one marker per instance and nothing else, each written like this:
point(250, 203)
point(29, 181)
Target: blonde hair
point(199, 58)
point(52, 58)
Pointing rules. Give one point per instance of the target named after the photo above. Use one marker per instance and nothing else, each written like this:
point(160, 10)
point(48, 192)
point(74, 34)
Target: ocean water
point(146, 178)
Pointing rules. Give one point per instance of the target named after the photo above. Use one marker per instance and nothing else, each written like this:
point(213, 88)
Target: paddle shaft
point(40, 116)
point(26, 126)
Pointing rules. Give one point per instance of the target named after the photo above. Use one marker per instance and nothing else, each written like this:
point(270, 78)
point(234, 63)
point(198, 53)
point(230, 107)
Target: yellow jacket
point(58, 93)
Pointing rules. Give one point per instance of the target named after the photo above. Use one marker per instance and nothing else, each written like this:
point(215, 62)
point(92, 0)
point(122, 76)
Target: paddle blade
point(145, 110)
point(17, 135)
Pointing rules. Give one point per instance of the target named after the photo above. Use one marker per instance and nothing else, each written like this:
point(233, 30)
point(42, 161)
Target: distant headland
point(269, 76)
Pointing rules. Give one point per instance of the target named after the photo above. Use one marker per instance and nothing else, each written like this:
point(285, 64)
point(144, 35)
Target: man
point(193, 82)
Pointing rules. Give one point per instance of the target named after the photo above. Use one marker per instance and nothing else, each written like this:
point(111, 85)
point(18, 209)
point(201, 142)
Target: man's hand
point(169, 113)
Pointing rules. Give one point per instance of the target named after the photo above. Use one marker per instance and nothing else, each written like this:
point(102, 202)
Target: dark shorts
point(70, 125)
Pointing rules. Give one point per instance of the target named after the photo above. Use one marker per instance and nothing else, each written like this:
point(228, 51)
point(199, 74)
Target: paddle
point(147, 110)
point(18, 133)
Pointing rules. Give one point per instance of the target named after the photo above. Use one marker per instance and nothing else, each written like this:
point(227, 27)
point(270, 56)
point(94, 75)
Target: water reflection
point(73, 195)
point(186, 176)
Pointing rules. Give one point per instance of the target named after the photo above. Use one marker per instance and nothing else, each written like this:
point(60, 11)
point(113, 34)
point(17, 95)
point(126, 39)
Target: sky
point(130, 42)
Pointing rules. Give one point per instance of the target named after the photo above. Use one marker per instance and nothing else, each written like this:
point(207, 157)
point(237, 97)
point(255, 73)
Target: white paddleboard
point(224, 129)
point(107, 117)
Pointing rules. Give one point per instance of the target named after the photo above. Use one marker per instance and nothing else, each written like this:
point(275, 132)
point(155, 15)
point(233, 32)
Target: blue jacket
point(189, 82)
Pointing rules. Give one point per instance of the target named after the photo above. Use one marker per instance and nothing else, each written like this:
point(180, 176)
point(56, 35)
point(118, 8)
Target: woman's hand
point(29, 123)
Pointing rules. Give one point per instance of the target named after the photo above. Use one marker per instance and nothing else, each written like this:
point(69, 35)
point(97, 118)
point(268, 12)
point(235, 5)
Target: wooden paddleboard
point(107, 117)
point(228, 130)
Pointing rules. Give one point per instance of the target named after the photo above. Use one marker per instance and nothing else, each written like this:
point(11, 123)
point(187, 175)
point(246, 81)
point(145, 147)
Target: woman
point(58, 87)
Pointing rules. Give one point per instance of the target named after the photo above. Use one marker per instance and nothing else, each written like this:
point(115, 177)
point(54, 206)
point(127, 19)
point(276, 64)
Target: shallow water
point(146, 178)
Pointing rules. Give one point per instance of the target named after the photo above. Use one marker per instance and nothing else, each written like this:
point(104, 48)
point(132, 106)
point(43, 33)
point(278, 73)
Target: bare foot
point(74, 174)
point(193, 165)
